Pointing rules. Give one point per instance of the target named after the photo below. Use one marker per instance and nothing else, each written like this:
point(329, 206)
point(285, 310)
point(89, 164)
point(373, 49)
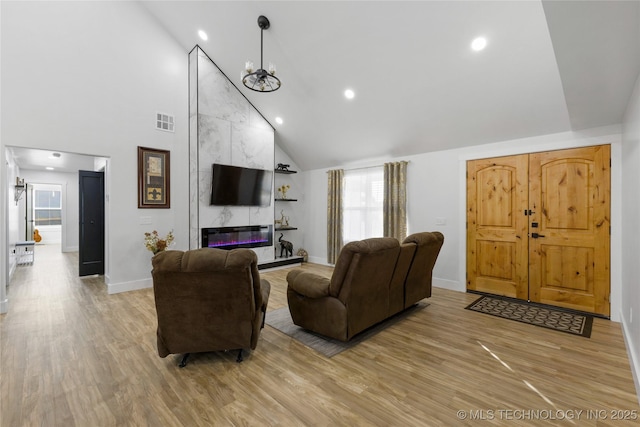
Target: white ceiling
point(549, 66)
point(33, 159)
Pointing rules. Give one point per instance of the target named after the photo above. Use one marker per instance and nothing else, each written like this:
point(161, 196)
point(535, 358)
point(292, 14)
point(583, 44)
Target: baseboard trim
point(452, 285)
point(116, 288)
point(318, 260)
point(633, 357)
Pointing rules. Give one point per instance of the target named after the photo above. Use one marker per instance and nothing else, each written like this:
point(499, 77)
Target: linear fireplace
point(249, 236)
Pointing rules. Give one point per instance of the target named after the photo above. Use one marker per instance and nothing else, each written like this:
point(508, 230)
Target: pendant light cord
point(261, 48)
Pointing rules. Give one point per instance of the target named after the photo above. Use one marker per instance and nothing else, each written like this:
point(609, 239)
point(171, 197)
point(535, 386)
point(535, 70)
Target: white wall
point(4, 226)
point(436, 190)
point(4, 218)
point(88, 78)
point(68, 183)
point(630, 310)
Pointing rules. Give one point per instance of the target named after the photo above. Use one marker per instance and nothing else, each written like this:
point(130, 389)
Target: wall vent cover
point(165, 122)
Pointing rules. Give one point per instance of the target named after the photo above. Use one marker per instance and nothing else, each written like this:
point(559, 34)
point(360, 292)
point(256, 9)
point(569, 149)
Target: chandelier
point(260, 80)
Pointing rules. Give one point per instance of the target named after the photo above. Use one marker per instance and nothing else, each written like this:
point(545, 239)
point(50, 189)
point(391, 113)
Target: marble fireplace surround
point(224, 127)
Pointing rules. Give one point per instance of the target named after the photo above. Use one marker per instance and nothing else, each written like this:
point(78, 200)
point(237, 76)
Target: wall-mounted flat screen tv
point(238, 186)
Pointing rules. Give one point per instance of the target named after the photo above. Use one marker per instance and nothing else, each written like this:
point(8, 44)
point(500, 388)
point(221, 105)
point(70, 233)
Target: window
point(362, 203)
point(47, 207)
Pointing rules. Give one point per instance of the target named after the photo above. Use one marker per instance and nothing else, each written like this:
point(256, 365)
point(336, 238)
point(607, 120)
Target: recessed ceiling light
point(279, 120)
point(49, 168)
point(478, 43)
point(203, 35)
point(349, 94)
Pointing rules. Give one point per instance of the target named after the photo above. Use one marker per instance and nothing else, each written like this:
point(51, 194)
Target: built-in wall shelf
point(284, 171)
point(286, 200)
point(285, 228)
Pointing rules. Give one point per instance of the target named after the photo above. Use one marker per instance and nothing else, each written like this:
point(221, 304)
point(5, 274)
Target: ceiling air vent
point(164, 122)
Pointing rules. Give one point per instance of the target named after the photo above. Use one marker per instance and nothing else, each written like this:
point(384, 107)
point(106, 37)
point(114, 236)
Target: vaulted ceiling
point(548, 67)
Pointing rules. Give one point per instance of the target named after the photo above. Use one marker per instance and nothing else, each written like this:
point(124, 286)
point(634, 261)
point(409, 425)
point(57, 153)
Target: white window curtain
point(363, 203)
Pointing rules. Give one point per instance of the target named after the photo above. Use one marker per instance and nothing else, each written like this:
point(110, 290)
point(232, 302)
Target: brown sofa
point(208, 300)
point(373, 279)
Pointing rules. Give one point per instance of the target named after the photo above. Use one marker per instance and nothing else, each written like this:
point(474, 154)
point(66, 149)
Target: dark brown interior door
point(91, 240)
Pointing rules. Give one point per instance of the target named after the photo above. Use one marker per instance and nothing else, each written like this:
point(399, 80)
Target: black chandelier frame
point(261, 80)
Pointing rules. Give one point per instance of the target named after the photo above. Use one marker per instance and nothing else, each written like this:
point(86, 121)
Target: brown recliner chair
point(355, 298)
point(418, 282)
point(373, 279)
point(413, 274)
point(208, 300)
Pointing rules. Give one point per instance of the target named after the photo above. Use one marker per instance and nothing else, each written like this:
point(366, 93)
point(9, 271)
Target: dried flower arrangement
point(155, 244)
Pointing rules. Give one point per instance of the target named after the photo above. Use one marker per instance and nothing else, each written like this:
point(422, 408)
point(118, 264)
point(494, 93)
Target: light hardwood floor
point(73, 355)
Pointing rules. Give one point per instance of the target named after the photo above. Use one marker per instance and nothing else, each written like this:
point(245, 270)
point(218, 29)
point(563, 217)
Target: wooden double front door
point(538, 227)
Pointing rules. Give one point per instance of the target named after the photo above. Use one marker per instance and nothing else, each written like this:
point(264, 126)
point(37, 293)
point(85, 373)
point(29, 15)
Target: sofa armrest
point(308, 284)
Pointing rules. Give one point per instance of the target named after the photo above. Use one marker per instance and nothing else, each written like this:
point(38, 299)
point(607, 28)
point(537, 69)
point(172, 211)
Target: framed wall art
point(153, 178)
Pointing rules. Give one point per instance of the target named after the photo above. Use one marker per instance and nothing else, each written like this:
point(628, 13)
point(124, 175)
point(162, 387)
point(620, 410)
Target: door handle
point(536, 235)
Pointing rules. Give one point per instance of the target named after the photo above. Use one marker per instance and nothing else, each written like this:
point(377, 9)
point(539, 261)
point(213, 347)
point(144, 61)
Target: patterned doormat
point(534, 314)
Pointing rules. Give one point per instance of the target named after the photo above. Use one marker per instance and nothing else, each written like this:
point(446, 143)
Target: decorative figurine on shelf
point(286, 247)
point(282, 167)
point(36, 236)
point(284, 220)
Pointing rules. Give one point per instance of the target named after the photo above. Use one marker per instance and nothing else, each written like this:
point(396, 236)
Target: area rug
point(281, 320)
point(534, 314)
